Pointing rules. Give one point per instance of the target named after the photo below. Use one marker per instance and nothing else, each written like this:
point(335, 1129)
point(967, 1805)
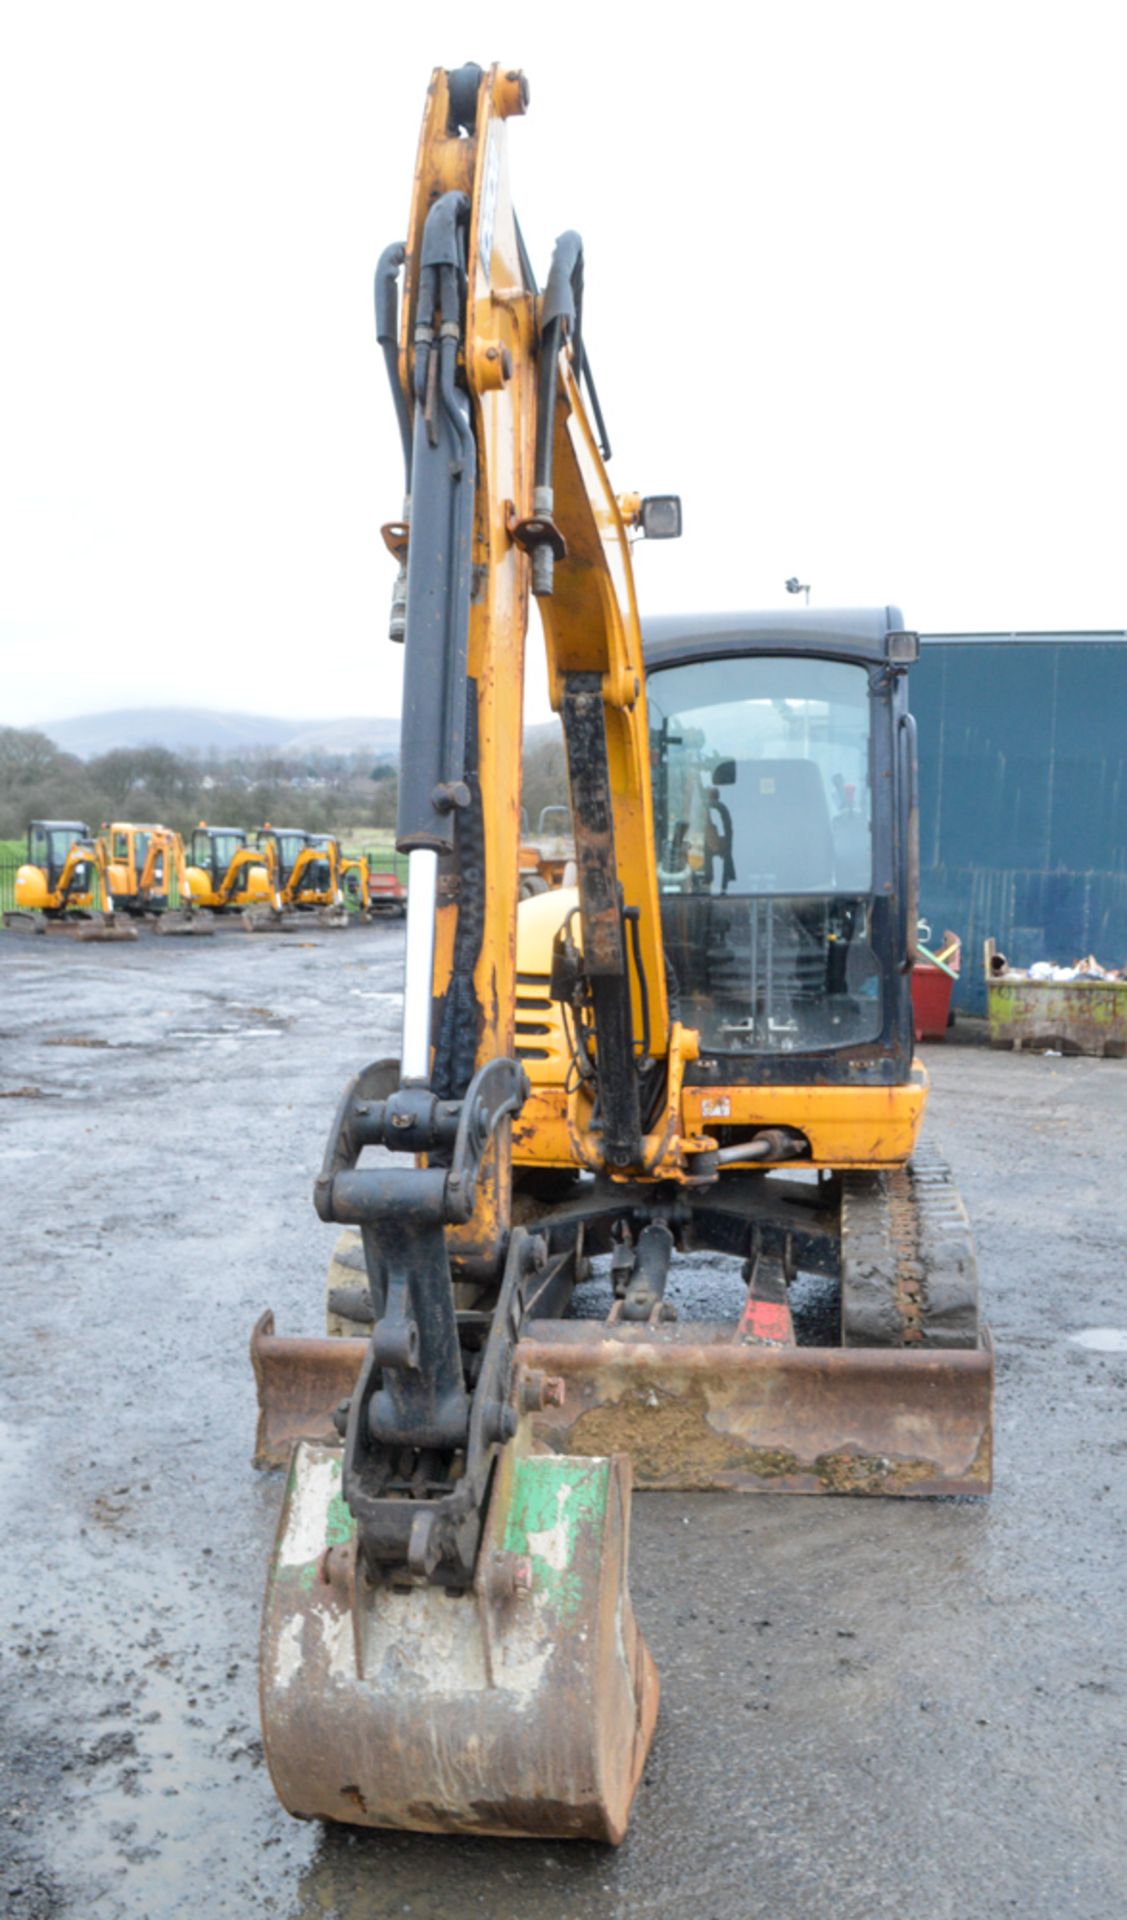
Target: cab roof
point(671, 637)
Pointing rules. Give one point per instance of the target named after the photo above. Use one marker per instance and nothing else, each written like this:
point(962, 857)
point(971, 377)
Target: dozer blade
point(105, 930)
point(301, 1379)
point(695, 1408)
point(521, 1707)
point(96, 928)
point(177, 923)
point(268, 920)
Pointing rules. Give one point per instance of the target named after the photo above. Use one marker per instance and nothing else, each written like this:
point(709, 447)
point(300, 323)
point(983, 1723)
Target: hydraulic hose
point(563, 306)
point(387, 334)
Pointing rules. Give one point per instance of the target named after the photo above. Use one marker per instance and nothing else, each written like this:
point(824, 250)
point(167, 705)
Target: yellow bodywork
point(34, 895)
point(245, 884)
point(297, 889)
point(846, 1126)
point(75, 890)
point(141, 861)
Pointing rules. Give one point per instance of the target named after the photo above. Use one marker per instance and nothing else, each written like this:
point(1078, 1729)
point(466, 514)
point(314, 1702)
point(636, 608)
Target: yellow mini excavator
point(697, 1059)
point(62, 886)
point(304, 882)
point(142, 861)
point(225, 873)
point(547, 857)
point(372, 886)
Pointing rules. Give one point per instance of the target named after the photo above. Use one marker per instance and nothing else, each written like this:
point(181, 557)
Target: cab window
point(226, 847)
point(60, 841)
point(762, 813)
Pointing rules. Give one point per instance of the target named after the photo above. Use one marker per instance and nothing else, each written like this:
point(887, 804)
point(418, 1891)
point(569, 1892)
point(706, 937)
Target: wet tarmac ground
point(869, 1707)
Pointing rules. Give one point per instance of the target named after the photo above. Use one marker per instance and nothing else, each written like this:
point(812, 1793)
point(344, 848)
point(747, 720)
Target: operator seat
point(780, 816)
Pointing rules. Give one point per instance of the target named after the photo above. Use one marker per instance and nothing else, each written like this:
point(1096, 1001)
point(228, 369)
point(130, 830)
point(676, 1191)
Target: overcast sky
point(855, 289)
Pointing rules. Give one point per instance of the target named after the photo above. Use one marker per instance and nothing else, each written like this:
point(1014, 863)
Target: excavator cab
point(214, 848)
point(284, 846)
point(49, 847)
point(783, 790)
point(319, 876)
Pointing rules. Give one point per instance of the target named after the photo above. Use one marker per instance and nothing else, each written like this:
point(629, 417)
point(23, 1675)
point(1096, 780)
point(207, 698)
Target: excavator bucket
point(523, 1706)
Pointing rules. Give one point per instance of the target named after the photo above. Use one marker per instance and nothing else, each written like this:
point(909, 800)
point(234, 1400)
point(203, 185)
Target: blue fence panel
point(1023, 796)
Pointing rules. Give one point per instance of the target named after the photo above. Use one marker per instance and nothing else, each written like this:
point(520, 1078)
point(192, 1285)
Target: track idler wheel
point(523, 1706)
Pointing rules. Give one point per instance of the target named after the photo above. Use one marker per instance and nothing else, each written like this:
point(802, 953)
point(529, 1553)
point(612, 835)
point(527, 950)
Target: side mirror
point(660, 517)
point(724, 774)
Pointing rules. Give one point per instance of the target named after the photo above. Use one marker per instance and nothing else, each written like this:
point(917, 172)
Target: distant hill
point(202, 730)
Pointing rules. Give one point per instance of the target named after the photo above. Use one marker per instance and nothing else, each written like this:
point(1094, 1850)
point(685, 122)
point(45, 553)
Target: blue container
point(1023, 796)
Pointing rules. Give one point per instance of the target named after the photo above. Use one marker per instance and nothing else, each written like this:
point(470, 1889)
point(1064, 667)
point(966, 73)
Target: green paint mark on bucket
point(557, 1504)
point(340, 1524)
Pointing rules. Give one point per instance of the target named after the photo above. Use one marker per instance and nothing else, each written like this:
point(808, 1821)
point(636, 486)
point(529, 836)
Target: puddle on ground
point(18, 1449)
point(223, 1033)
point(1101, 1339)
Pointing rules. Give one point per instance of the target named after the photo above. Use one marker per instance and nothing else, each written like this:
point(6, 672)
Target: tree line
point(320, 792)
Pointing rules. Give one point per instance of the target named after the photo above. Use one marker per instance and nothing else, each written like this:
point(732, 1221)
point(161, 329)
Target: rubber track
point(909, 1272)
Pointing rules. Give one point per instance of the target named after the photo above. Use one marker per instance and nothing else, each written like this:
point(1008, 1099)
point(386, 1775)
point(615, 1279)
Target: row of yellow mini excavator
point(99, 886)
point(704, 1045)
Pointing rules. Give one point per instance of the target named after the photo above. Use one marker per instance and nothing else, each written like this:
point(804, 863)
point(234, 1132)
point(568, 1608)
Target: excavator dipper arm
point(448, 1639)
